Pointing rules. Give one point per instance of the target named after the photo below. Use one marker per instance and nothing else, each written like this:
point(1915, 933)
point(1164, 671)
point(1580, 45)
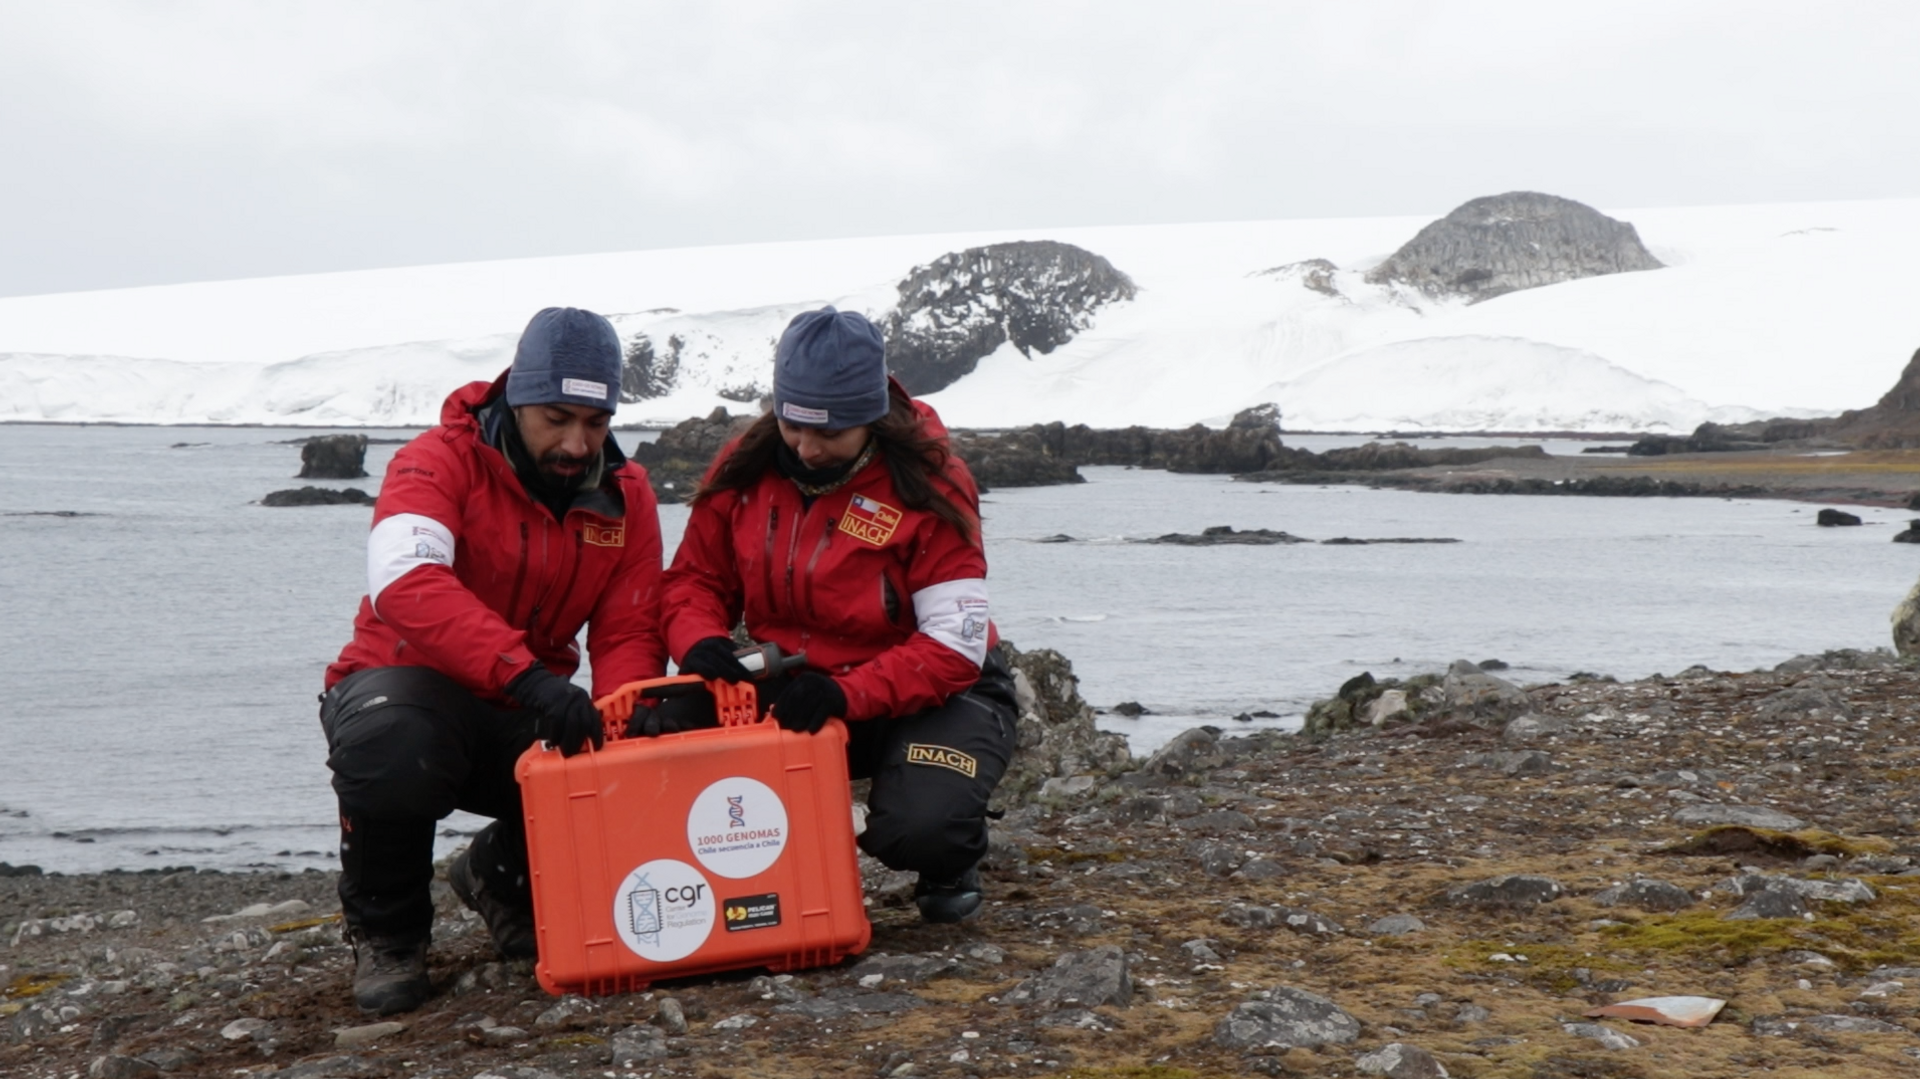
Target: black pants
point(407, 746)
point(932, 771)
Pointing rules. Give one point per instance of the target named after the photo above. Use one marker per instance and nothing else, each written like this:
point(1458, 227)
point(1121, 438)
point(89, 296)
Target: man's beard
point(564, 481)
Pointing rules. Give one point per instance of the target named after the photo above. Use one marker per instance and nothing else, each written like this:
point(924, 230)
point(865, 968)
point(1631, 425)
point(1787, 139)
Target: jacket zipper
point(793, 553)
point(573, 578)
point(520, 575)
point(826, 538)
point(766, 562)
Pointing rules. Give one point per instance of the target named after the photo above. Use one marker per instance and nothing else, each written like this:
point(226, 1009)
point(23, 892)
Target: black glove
point(672, 716)
point(808, 702)
point(713, 657)
point(566, 715)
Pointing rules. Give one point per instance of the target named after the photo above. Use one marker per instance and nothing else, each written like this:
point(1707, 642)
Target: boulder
point(318, 496)
point(1191, 753)
point(1503, 243)
point(1471, 694)
point(1906, 619)
point(1288, 1019)
point(1057, 737)
point(1828, 518)
point(1748, 816)
point(1089, 979)
point(334, 457)
point(1645, 893)
point(1507, 890)
point(960, 308)
point(1909, 534)
point(1398, 1060)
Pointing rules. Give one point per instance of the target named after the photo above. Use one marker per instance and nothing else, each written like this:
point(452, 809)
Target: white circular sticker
point(664, 910)
point(737, 827)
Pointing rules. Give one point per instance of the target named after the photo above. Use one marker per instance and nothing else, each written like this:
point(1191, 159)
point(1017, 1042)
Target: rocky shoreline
point(1443, 883)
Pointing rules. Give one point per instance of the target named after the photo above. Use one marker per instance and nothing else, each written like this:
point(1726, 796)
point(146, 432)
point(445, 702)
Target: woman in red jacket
point(840, 525)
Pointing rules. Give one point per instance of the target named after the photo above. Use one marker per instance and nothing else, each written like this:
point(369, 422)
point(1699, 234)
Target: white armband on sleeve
point(955, 614)
point(402, 543)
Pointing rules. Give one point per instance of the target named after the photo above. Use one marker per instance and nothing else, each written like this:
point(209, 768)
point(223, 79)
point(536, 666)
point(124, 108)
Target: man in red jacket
point(496, 537)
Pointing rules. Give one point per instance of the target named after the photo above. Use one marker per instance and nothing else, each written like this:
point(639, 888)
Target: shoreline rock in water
point(1456, 887)
point(317, 496)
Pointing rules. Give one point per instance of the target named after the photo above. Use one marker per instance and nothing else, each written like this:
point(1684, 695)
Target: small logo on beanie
point(580, 387)
point(802, 414)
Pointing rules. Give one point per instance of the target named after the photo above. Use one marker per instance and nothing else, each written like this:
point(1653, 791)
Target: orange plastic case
point(690, 853)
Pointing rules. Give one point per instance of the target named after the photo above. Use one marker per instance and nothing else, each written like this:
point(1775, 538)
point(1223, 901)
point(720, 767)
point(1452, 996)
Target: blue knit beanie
point(566, 356)
point(830, 371)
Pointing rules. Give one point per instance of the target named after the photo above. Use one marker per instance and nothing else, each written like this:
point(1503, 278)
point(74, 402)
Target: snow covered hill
point(1759, 310)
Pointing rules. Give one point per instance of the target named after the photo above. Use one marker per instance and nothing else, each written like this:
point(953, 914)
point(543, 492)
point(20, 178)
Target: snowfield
point(1800, 309)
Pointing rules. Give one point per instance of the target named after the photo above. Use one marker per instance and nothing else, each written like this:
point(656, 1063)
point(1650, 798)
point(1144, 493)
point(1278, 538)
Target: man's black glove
point(808, 702)
point(566, 715)
point(672, 717)
point(713, 657)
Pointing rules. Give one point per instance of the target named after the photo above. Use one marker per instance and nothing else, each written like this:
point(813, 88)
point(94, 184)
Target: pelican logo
point(942, 757)
point(750, 912)
point(603, 536)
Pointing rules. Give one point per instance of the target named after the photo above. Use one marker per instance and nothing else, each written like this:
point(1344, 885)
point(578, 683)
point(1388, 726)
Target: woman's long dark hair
point(913, 458)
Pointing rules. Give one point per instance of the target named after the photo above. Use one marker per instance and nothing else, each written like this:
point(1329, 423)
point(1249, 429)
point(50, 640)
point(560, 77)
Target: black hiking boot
point(510, 924)
point(388, 975)
point(949, 902)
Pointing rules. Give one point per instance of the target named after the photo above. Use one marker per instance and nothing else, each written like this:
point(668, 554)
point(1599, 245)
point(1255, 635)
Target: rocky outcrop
point(1891, 423)
point(318, 496)
point(334, 457)
point(1053, 452)
point(1060, 751)
point(1504, 243)
point(680, 456)
point(956, 310)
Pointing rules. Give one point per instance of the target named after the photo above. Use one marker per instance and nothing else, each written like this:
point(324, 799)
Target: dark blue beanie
point(830, 371)
point(566, 356)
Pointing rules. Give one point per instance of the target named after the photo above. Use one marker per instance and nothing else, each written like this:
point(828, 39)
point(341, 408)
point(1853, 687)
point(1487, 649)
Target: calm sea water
point(164, 645)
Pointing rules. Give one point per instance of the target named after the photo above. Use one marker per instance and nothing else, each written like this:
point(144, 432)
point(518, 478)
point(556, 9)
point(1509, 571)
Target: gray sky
point(154, 142)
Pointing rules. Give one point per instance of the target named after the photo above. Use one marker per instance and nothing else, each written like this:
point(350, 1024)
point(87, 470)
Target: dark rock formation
point(1052, 452)
point(334, 457)
point(680, 456)
point(962, 306)
point(1058, 740)
point(1909, 534)
point(649, 371)
point(1520, 240)
point(1291, 465)
point(1226, 535)
point(1891, 423)
point(318, 496)
point(1731, 438)
point(1835, 518)
point(1315, 274)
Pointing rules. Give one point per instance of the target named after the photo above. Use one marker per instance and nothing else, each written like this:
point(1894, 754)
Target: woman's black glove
point(808, 702)
point(566, 716)
point(713, 658)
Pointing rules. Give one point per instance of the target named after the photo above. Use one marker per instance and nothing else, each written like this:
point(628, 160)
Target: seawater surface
point(164, 635)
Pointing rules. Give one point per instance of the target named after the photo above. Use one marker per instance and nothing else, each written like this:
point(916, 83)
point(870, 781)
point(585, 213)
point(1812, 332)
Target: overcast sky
point(153, 142)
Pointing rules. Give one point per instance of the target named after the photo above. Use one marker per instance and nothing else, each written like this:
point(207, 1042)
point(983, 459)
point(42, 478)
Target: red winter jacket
point(891, 601)
point(467, 574)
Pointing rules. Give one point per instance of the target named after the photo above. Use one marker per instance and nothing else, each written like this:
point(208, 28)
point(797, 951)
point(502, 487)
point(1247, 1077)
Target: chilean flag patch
point(869, 521)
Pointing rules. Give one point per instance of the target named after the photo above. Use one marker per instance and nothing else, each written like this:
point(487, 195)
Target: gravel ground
point(1437, 895)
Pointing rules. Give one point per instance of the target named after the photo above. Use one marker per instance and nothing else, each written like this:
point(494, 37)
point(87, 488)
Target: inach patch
point(869, 521)
point(603, 535)
point(751, 912)
point(942, 757)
